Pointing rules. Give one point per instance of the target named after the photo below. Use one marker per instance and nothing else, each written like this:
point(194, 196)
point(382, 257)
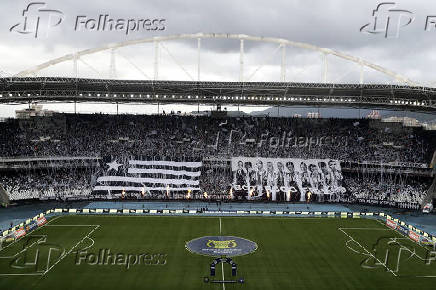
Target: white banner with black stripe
point(140, 175)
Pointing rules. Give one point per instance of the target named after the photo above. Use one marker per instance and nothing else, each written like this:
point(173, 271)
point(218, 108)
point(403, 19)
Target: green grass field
point(293, 253)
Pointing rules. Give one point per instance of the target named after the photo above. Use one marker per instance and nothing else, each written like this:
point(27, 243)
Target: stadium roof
point(52, 89)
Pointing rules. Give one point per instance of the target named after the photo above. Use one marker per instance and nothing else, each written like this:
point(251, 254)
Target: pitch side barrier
point(31, 224)
point(410, 231)
point(21, 230)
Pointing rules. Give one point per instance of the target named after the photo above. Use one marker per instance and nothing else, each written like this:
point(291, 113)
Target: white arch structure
point(283, 43)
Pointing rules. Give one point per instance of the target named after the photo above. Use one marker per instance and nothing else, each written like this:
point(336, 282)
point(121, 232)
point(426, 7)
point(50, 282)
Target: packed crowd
point(388, 188)
point(179, 137)
point(215, 183)
point(100, 135)
point(53, 184)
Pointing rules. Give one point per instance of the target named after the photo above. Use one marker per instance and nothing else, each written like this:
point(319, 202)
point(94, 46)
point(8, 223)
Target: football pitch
point(148, 252)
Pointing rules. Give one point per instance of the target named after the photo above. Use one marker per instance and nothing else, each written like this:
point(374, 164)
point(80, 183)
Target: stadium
point(212, 160)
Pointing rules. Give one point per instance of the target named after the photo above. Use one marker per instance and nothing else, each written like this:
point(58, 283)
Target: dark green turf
point(305, 253)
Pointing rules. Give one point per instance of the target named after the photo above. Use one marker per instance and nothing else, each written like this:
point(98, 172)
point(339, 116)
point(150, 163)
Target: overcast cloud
point(331, 24)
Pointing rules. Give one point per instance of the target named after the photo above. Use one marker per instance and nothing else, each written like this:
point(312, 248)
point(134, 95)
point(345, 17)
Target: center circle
point(219, 246)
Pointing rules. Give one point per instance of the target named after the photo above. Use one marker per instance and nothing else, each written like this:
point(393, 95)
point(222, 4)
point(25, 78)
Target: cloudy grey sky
point(331, 24)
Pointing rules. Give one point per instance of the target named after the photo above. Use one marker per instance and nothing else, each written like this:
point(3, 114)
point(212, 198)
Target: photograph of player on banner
point(286, 179)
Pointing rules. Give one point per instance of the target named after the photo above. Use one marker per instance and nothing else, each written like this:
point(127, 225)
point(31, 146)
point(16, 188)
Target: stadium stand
point(4, 198)
point(431, 194)
point(62, 143)
point(99, 135)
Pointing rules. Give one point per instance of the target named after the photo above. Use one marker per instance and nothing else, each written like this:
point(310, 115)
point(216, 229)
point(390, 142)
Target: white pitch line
point(395, 231)
point(393, 239)
point(408, 239)
point(222, 264)
point(371, 229)
point(93, 242)
point(45, 236)
point(32, 233)
point(349, 247)
point(405, 247)
point(369, 253)
point(25, 249)
point(247, 216)
point(224, 284)
point(69, 252)
point(72, 225)
point(24, 274)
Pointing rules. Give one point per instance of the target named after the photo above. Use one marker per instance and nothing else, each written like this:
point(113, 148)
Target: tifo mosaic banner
point(286, 179)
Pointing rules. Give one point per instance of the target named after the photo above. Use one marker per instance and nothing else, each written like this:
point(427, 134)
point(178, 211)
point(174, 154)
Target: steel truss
point(54, 89)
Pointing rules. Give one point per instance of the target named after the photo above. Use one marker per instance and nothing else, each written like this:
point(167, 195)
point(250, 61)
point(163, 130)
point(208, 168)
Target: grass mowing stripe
point(293, 253)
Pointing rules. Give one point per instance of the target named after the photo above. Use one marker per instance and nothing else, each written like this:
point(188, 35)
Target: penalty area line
point(369, 229)
point(72, 225)
point(396, 232)
point(69, 252)
point(19, 239)
point(23, 274)
point(41, 237)
point(368, 252)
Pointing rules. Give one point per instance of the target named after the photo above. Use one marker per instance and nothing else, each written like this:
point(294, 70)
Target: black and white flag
point(145, 175)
